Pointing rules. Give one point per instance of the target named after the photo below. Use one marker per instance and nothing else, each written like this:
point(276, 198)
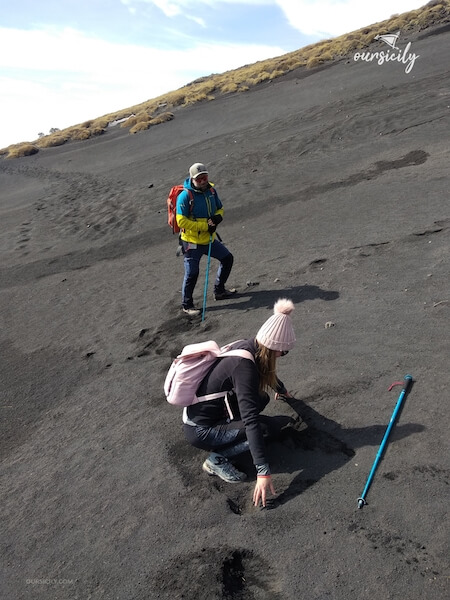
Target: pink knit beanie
point(277, 333)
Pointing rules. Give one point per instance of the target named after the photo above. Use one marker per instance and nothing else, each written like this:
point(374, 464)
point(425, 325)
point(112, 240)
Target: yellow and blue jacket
point(194, 208)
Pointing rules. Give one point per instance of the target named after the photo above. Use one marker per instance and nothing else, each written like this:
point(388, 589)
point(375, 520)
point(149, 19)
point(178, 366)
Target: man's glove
point(216, 219)
point(211, 229)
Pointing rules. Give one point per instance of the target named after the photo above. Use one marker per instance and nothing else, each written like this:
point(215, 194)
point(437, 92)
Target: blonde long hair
point(266, 365)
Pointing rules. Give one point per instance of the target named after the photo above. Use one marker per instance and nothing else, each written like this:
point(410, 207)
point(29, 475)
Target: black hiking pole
point(406, 386)
point(206, 278)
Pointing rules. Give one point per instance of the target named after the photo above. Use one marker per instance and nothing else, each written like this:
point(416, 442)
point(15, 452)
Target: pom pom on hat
point(277, 333)
point(283, 306)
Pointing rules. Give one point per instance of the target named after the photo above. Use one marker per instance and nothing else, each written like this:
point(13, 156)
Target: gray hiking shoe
point(192, 312)
point(218, 465)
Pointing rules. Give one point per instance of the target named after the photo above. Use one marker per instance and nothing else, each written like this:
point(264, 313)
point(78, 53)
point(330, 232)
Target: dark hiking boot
point(224, 294)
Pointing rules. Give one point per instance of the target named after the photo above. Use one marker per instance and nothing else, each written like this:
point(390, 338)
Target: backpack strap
point(191, 208)
point(243, 354)
point(223, 395)
point(191, 199)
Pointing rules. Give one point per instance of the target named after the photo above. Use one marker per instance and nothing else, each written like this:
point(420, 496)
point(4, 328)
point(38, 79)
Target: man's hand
point(216, 219)
point(263, 485)
point(211, 228)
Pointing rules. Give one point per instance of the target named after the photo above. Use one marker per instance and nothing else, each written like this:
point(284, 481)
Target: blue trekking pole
point(406, 386)
point(206, 278)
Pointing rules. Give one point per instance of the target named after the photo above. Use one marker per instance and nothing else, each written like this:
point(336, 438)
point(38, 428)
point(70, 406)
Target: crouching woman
point(233, 423)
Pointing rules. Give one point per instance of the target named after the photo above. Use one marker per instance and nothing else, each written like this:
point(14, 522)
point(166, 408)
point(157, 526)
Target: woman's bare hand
point(263, 486)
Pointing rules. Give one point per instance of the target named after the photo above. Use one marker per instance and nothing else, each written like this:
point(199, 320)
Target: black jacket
point(241, 375)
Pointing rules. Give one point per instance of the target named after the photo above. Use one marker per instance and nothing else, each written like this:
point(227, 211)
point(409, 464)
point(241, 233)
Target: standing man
point(199, 212)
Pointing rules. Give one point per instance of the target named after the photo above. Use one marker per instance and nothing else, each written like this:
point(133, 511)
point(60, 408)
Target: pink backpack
point(190, 367)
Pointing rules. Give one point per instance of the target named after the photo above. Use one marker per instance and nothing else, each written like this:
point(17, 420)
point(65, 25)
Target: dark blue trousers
point(192, 258)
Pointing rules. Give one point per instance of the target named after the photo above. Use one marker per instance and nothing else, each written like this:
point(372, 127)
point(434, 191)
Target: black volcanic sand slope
point(335, 187)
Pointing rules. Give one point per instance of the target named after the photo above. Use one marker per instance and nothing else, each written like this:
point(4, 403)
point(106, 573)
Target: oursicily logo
point(395, 54)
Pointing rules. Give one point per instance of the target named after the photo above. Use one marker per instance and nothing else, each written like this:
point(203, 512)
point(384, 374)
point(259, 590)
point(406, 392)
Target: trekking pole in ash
point(206, 278)
point(406, 387)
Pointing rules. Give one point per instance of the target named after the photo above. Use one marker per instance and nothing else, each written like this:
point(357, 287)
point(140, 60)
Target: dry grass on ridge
point(155, 111)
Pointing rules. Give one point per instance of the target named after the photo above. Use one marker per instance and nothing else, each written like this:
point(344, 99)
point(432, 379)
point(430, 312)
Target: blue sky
point(65, 61)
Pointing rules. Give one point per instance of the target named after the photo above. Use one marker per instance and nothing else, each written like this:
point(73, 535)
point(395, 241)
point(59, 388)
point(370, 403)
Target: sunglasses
point(201, 178)
point(284, 352)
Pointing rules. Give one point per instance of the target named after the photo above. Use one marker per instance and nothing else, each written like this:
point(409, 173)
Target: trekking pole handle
point(407, 384)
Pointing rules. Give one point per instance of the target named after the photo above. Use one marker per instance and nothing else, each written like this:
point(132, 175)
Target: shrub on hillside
point(52, 140)
point(424, 18)
point(80, 134)
point(228, 88)
point(398, 24)
point(129, 122)
point(162, 118)
point(276, 73)
point(194, 98)
point(101, 123)
point(326, 56)
point(176, 98)
point(146, 124)
point(140, 126)
point(314, 61)
point(20, 150)
point(97, 130)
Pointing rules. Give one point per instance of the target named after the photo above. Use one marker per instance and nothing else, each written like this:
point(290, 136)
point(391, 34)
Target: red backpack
point(175, 191)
